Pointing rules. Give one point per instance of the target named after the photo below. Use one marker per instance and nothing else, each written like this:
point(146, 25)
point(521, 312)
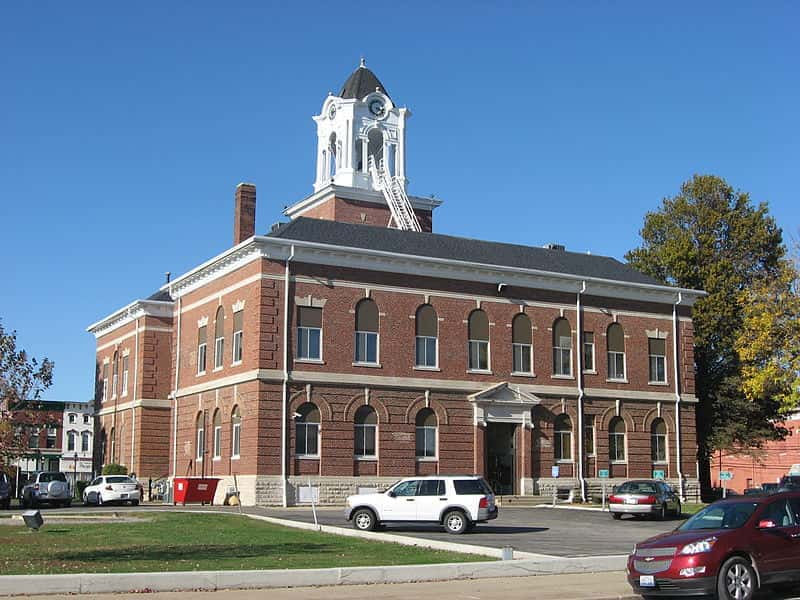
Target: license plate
point(647, 581)
point(630, 500)
point(124, 495)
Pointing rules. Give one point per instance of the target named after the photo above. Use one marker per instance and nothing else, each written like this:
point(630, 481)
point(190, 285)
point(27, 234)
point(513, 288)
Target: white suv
point(456, 502)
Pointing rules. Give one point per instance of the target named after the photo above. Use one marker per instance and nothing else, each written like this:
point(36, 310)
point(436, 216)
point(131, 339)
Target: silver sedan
point(644, 497)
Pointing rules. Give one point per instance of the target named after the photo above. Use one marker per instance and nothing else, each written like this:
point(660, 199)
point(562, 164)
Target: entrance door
point(501, 457)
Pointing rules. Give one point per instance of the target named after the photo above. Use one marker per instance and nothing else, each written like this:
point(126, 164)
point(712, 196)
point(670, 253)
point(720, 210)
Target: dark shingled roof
point(361, 82)
point(161, 296)
point(435, 245)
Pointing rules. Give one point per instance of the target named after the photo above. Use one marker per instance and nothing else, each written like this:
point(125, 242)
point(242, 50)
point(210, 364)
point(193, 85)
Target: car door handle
point(443, 499)
point(409, 499)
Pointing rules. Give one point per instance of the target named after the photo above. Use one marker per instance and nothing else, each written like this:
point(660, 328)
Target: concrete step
point(523, 501)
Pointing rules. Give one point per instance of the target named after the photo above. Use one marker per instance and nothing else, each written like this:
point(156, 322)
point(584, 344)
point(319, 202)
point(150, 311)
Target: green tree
point(769, 343)
point(22, 381)
point(713, 238)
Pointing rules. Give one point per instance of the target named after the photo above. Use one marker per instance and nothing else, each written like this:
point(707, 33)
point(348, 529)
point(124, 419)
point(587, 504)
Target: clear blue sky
point(124, 128)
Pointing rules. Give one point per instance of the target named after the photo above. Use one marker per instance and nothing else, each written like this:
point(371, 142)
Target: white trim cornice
point(128, 314)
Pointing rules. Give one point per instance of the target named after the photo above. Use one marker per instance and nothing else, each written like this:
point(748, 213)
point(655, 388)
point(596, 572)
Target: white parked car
point(112, 488)
point(457, 502)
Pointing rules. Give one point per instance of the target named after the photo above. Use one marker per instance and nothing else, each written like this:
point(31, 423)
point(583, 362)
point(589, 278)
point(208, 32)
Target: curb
point(91, 583)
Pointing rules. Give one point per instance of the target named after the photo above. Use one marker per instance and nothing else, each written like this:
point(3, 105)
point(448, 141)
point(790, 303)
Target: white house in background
point(78, 441)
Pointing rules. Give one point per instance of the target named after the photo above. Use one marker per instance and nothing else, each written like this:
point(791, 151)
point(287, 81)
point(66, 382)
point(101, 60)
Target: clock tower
point(361, 152)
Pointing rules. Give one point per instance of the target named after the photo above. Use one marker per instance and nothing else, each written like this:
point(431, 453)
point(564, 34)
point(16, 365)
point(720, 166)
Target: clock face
point(376, 107)
point(332, 111)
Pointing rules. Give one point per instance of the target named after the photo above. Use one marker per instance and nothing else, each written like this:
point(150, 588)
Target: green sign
point(658, 474)
point(603, 473)
point(725, 475)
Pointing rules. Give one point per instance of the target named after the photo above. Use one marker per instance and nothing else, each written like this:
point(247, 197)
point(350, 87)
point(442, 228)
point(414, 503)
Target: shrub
point(79, 487)
point(115, 469)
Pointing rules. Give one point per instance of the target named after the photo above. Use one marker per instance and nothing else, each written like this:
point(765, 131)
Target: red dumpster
point(194, 489)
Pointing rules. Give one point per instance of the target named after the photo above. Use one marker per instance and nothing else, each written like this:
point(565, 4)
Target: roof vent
point(552, 246)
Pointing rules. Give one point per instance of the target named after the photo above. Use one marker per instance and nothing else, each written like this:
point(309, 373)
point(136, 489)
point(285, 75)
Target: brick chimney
point(244, 212)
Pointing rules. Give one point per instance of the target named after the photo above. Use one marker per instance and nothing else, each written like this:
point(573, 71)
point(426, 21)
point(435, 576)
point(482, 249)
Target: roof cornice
point(131, 312)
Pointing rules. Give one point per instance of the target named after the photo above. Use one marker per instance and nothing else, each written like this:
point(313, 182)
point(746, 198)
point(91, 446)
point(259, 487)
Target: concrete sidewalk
point(594, 586)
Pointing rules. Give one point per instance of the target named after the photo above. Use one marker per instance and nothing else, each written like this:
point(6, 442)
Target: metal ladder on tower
point(392, 188)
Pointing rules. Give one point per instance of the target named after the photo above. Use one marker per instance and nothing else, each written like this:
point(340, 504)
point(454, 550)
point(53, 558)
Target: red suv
point(730, 548)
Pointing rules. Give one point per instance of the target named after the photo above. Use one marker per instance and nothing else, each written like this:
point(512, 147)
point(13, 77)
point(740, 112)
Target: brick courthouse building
point(340, 353)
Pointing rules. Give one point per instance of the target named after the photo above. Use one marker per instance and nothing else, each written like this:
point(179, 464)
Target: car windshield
point(119, 479)
point(721, 516)
point(47, 477)
point(637, 487)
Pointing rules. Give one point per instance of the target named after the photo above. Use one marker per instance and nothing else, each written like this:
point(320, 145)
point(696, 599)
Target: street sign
point(554, 471)
point(725, 475)
point(658, 474)
point(603, 473)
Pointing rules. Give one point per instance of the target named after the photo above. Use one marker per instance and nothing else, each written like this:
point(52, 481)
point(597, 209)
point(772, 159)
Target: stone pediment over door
point(502, 403)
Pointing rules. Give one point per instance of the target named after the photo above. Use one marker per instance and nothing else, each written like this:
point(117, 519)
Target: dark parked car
point(5, 490)
point(731, 548)
point(644, 497)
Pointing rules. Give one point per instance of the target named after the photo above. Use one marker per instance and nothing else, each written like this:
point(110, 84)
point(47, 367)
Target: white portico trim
point(502, 403)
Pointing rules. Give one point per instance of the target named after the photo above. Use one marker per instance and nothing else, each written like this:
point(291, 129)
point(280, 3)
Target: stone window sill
point(658, 383)
point(522, 374)
point(616, 381)
point(562, 377)
point(366, 458)
point(421, 368)
point(307, 457)
point(310, 361)
point(480, 371)
point(369, 365)
point(427, 459)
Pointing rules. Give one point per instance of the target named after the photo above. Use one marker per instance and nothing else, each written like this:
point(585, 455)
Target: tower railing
point(393, 190)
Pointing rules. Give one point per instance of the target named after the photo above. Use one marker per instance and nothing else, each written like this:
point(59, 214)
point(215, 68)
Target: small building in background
point(42, 424)
point(77, 440)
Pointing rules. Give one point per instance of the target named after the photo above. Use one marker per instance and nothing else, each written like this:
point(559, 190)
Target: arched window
point(427, 330)
point(562, 437)
point(616, 352)
point(217, 421)
point(86, 441)
point(202, 348)
point(426, 433)
point(72, 418)
point(219, 338)
point(306, 426)
point(616, 440)
point(332, 154)
point(71, 441)
point(115, 376)
point(105, 382)
point(200, 439)
point(236, 432)
point(367, 332)
point(375, 145)
point(366, 432)
point(658, 441)
point(522, 344)
point(112, 446)
point(478, 333)
point(562, 348)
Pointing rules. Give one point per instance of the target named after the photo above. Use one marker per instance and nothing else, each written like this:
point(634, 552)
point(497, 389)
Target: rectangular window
point(219, 350)
point(478, 355)
point(105, 382)
point(125, 364)
point(71, 441)
point(236, 435)
point(365, 440)
point(71, 418)
point(425, 352)
point(616, 365)
point(51, 437)
point(588, 435)
point(84, 442)
point(114, 382)
point(307, 435)
point(616, 447)
point(217, 441)
point(562, 361)
point(202, 349)
point(588, 351)
point(33, 438)
point(522, 358)
point(426, 442)
point(238, 323)
point(366, 347)
point(309, 333)
point(658, 360)
point(86, 419)
point(658, 448)
point(563, 445)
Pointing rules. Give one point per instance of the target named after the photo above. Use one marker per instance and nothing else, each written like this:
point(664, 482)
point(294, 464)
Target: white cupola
point(361, 122)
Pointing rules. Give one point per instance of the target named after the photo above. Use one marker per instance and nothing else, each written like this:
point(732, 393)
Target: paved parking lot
point(554, 531)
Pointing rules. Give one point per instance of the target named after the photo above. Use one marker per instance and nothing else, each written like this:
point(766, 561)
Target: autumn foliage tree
point(22, 381)
point(712, 237)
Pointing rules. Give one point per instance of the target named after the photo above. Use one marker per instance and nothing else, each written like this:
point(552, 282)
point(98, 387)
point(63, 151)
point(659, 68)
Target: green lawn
point(188, 542)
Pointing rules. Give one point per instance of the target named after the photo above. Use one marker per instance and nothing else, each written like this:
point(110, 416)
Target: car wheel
point(68, 503)
point(737, 580)
point(85, 500)
point(134, 503)
point(616, 516)
point(678, 511)
point(364, 520)
point(455, 522)
point(99, 498)
point(662, 513)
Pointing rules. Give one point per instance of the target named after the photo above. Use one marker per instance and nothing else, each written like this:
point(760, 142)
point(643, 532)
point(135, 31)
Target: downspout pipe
point(175, 392)
point(676, 374)
point(579, 379)
point(285, 387)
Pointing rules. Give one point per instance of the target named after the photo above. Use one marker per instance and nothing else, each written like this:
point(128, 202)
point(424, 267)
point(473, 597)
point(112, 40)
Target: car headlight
point(699, 547)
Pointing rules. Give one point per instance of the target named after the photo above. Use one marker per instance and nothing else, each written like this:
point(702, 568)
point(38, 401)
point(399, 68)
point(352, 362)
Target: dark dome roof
point(361, 82)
